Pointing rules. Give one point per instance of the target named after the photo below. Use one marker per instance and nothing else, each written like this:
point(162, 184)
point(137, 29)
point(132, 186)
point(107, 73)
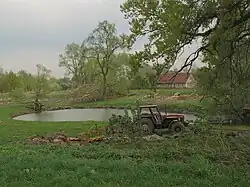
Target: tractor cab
point(152, 112)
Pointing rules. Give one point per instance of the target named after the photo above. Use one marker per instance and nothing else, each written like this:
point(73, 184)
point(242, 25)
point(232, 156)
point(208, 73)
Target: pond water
point(78, 115)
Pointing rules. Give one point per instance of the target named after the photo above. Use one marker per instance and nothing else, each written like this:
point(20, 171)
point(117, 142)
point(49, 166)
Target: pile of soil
point(166, 99)
point(238, 133)
point(61, 138)
point(184, 97)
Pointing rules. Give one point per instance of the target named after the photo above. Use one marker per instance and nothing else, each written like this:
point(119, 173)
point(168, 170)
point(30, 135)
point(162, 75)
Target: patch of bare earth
point(176, 97)
point(61, 138)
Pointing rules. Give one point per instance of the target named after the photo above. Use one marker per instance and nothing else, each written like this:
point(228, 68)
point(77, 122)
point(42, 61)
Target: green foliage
point(36, 106)
point(73, 60)
point(102, 44)
point(222, 27)
point(203, 157)
point(42, 81)
point(17, 94)
point(12, 81)
point(228, 90)
point(127, 125)
point(172, 25)
point(185, 106)
point(91, 69)
point(65, 83)
point(85, 93)
point(28, 81)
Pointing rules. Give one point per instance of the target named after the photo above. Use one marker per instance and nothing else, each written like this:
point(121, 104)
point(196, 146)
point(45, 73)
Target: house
point(181, 80)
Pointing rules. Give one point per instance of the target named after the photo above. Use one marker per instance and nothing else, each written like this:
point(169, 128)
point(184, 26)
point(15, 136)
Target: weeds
point(201, 157)
point(35, 106)
point(127, 126)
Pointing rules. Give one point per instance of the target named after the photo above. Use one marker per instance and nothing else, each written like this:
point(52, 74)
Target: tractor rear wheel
point(177, 127)
point(147, 125)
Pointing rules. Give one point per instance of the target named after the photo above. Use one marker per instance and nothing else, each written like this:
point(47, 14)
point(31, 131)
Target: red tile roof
point(180, 78)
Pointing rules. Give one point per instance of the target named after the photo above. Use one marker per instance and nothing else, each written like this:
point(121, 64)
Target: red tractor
point(152, 119)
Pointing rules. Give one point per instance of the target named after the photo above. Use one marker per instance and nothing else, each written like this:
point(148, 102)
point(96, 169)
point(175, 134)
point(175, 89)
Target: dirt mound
point(238, 134)
point(184, 96)
point(180, 97)
point(61, 138)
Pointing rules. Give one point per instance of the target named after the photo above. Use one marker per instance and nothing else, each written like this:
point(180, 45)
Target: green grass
point(201, 158)
point(13, 130)
point(172, 105)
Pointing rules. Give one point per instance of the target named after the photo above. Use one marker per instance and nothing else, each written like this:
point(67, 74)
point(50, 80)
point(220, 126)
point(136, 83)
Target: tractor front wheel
point(147, 125)
point(177, 127)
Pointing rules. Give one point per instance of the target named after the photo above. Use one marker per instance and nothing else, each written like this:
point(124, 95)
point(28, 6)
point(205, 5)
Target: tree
point(65, 83)
point(91, 71)
point(12, 81)
point(102, 43)
point(42, 79)
point(172, 25)
point(221, 27)
point(229, 89)
point(73, 60)
point(28, 81)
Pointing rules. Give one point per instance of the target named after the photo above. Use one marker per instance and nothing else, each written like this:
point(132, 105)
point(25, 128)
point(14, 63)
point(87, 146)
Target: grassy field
point(187, 105)
point(202, 157)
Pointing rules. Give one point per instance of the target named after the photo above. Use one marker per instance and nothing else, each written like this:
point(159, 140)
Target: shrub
point(36, 106)
point(86, 93)
point(125, 126)
point(17, 95)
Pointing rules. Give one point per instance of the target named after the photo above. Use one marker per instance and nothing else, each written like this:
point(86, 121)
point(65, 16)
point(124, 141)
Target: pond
point(78, 115)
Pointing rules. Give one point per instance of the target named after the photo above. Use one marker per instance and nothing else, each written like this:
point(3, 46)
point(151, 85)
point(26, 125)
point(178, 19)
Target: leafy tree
point(222, 29)
point(3, 83)
point(17, 94)
point(91, 71)
point(102, 43)
point(27, 81)
point(53, 84)
point(65, 83)
point(42, 80)
point(172, 25)
point(73, 60)
point(12, 81)
point(229, 89)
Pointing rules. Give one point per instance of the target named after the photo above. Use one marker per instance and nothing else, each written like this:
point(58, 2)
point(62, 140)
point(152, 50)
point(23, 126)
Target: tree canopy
point(102, 44)
point(170, 25)
point(222, 29)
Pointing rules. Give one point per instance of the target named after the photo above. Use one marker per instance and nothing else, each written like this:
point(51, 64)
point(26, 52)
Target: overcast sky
point(36, 31)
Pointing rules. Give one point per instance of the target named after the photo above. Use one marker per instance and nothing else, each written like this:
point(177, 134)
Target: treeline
point(120, 78)
point(25, 82)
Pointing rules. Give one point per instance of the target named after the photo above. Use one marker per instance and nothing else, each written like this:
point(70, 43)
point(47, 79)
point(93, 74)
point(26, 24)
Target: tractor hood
point(181, 117)
point(173, 115)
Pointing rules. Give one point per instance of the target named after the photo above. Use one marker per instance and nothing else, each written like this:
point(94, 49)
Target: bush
point(126, 126)
point(86, 93)
point(36, 106)
point(184, 107)
point(17, 95)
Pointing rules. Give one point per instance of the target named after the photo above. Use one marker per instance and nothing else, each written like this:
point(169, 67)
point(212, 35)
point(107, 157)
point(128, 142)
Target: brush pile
point(90, 136)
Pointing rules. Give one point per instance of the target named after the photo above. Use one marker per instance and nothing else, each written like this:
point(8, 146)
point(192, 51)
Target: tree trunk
point(104, 90)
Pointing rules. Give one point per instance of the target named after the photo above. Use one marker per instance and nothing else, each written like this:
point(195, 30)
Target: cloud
point(36, 31)
point(39, 27)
